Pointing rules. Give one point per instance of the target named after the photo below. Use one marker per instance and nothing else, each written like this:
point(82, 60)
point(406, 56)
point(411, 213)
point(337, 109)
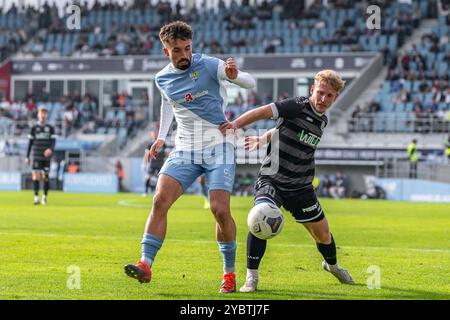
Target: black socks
point(255, 251)
point(328, 251)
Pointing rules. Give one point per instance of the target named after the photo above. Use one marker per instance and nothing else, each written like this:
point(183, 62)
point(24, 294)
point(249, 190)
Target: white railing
point(398, 122)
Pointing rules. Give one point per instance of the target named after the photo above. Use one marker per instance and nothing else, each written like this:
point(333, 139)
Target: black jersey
point(42, 137)
point(299, 130)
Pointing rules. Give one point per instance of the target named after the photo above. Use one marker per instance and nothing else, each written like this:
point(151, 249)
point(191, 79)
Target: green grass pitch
point(99, 234)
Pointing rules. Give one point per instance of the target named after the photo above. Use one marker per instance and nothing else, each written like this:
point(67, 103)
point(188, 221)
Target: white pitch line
point(126, 203)
point(214, 242)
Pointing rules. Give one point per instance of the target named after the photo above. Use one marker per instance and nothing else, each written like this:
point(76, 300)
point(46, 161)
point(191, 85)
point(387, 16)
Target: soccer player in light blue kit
point(192, 89)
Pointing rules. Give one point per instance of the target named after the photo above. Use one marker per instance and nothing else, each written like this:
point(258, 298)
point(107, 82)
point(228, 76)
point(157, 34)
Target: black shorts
point(302, 204)
point(41, 165)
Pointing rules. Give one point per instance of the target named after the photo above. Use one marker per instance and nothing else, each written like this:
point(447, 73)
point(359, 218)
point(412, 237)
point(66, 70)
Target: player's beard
point(184, 66)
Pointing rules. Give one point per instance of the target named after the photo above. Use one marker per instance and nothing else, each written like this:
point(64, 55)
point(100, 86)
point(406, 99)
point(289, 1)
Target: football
point(265, 220)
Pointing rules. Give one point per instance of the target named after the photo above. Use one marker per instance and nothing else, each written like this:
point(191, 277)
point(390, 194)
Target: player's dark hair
point(177, 30)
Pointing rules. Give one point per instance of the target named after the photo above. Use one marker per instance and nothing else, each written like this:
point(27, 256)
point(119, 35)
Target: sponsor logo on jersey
point(308, 138)
point(189, 97)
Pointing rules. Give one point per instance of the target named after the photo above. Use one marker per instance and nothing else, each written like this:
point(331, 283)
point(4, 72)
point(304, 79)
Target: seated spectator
point(325, 186)
point(374, 106)
point(423, 87)
point(70, 117)
point(31, 106)
point(5, 104)
point(73, 167)
point(337, 191)
point(356, 114)
point(432, 105)
point(402, 96)
point(418, 119)
point(417, 105)
point(87, 109)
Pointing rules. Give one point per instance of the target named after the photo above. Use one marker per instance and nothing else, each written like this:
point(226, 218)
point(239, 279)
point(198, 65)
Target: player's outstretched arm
point(256, 142)
point(264, 112)
point(234, 75)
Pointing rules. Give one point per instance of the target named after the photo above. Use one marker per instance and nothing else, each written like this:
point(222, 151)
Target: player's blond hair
point(331, 77)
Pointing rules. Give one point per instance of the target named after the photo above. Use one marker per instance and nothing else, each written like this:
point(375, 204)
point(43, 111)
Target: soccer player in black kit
point(152, 167)
point(42, 141)
point(293, 141)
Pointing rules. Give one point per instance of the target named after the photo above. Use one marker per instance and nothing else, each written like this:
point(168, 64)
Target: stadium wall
point(415, 190)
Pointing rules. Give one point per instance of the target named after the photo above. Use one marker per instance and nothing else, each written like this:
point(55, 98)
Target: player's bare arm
point(154, 149)
point(255, 142)
point(264, 112)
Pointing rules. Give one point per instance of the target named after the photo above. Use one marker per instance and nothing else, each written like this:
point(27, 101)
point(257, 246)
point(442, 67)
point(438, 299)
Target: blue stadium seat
point(122, 136)
point(393, 41)
point(409, 107)
point(100, 130)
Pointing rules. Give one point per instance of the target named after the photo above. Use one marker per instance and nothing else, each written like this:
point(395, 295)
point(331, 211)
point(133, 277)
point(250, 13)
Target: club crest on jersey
point(194, 76)
point(322, 126)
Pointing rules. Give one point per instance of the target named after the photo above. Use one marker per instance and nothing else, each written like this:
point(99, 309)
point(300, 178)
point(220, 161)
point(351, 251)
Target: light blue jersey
point(197, 97)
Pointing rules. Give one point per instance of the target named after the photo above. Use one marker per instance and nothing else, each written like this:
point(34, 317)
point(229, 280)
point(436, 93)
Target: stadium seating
point(423, 73)
point(120, 31)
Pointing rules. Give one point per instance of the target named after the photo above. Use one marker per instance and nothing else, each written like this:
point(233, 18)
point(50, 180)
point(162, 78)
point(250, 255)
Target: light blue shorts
point(218, 164)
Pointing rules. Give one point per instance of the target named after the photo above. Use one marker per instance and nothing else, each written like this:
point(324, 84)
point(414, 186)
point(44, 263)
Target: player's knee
point(221, 213)
point(161, 202)
point(323, 237)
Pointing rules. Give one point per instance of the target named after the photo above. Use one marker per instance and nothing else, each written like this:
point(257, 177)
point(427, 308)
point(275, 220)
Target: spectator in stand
point(337, 191)
point(73, 167)
point(423, 87)
point(325, 185)
point(374, 106)
point(402, 96)
point(418, 123)
point(120, 174)
point(356, 114)
point(70, 117)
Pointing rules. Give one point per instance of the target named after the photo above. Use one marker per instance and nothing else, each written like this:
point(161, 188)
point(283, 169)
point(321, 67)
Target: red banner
point(5, 79)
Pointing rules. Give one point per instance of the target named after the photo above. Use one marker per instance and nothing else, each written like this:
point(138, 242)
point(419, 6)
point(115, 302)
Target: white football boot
point(250, 284)
point(340, 273)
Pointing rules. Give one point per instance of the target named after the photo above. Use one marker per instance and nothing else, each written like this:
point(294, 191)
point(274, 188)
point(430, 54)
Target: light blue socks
point(150, 247)
point(228, 250)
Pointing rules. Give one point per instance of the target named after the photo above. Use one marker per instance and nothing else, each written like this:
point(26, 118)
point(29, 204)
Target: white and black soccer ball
point(265, 220)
